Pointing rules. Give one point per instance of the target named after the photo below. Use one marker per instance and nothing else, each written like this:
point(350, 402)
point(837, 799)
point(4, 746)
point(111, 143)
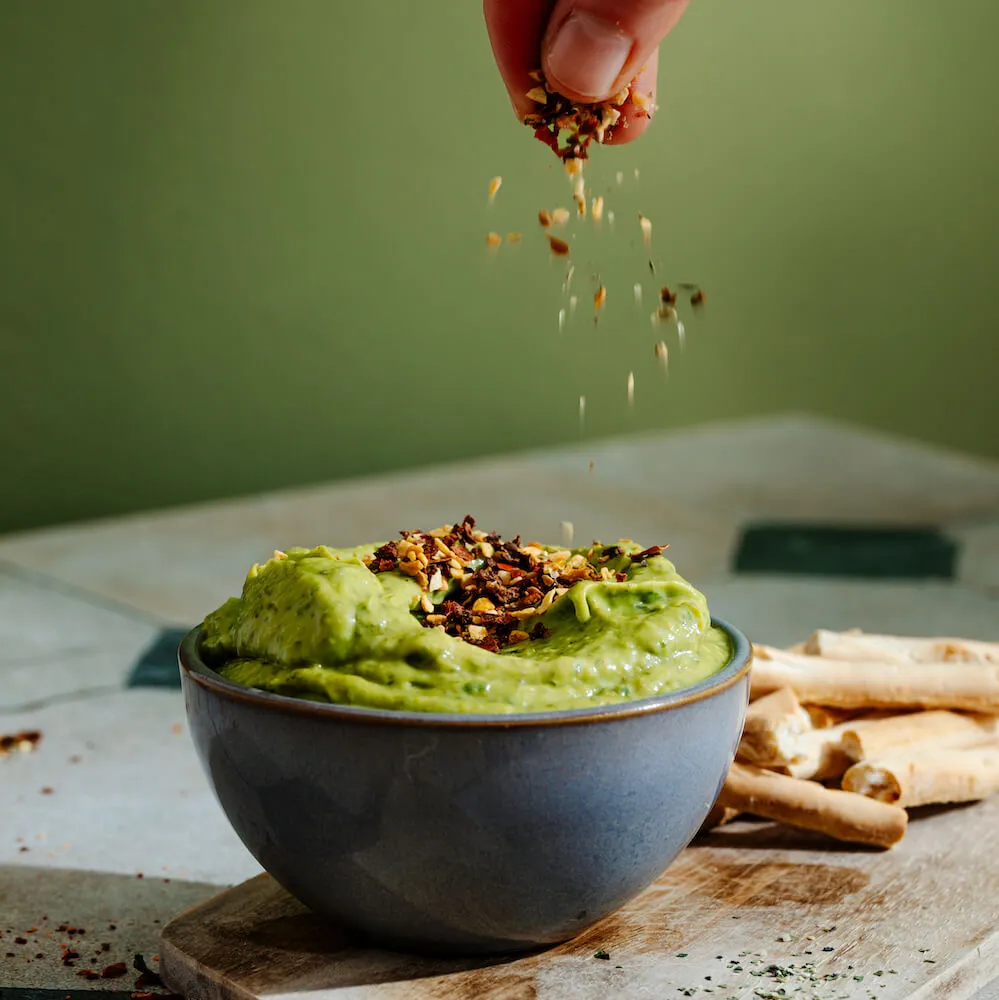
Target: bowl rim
point(194, 669)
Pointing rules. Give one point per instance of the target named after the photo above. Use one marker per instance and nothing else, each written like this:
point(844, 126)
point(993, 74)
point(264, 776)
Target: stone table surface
point(110, 823)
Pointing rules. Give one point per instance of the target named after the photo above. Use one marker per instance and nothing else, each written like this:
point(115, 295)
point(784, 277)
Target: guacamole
point(456, 620)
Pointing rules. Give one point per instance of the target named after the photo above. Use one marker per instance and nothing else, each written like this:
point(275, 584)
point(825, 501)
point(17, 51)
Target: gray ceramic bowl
point(458, 833)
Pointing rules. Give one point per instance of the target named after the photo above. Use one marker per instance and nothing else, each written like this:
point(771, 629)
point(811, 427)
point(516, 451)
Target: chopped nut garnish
point(584, 123)
point(559, 247)
point(503, 584)
point(545, 217)
point(494, 186)
point(598, 208)
point(493, 240)
point(560, 216)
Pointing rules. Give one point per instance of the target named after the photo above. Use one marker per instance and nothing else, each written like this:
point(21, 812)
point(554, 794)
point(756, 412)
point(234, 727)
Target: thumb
point(592, 49)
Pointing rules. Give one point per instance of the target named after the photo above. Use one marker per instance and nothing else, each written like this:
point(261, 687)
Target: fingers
point(593, 48)
point(589, 50)
point(516, 28)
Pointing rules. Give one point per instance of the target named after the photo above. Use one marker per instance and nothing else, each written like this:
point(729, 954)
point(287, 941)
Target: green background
point(242, 241)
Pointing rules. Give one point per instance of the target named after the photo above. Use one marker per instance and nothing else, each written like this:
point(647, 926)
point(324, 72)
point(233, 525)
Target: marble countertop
point(113, 791)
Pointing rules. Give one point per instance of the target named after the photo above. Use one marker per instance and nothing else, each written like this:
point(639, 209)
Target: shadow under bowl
point(465, 833)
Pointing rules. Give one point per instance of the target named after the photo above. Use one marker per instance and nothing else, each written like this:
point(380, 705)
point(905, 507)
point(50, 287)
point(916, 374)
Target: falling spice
point(610, 218)
point(599, 298)
point(568, 532)
point(573, 301)
point(681, 333)
point(559, 247)
point(494, 186)
point(513, 237)
point(545, 217)
point(561, 320)
point(697, 299)
point(560, 216)
point(666, 296)
point(597, 209)
point(638, 294)
point(631, 388)
point(662, 354)
point(569, 272)
point(493, 240)
point(582, 411)
point(579, 196)
point(646, 227)
point(619, 177)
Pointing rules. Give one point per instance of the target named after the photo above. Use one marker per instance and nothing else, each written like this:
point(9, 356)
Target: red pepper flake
point(115, 971)
point(88, 974)
point(31, 930)
point(23, 850)
point(47, 790)
point(139, 875)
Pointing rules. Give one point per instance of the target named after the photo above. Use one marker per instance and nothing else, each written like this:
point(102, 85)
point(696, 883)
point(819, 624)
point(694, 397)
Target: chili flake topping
point(488, 589)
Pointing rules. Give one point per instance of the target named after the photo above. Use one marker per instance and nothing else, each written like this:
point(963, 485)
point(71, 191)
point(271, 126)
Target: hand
point(589, 50)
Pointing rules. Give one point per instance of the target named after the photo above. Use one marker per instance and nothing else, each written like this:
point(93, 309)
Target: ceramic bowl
point(465, 833)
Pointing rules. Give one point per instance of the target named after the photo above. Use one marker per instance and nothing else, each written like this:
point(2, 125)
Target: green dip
point(318, 624)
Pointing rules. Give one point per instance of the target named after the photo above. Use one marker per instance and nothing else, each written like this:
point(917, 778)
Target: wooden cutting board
point(747, 911)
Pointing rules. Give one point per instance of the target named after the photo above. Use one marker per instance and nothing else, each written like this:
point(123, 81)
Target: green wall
point(242, 241)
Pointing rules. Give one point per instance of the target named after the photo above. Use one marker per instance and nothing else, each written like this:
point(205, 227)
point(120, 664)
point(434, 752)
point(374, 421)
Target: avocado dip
point(458, 620)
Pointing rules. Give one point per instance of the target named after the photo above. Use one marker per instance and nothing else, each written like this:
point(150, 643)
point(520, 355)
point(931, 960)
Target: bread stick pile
point(847, 730)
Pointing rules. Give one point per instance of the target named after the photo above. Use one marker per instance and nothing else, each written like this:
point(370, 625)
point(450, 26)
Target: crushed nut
point(559, 247)
point(598, 208)
point(560, 216)
point(545, 217)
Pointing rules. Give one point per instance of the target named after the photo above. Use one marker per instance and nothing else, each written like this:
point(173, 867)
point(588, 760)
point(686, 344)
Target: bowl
point(465, 834)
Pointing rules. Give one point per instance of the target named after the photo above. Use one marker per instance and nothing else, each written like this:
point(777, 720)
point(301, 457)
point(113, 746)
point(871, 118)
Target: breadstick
point(923, 729)
point(866, 684)
point(911, 778)
point(772, 723)
point(899, 649)
point(808, 804)
point(719, 816)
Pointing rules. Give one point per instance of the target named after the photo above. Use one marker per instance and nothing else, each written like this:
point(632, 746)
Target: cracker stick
point(865, 684)
point(936, 729)
point(899, 649)
point(772, 722)
point(808, 804)
point(911, 778)
point(719, 816)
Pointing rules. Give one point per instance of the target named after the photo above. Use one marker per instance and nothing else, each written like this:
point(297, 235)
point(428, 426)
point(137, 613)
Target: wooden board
point(920, 922)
